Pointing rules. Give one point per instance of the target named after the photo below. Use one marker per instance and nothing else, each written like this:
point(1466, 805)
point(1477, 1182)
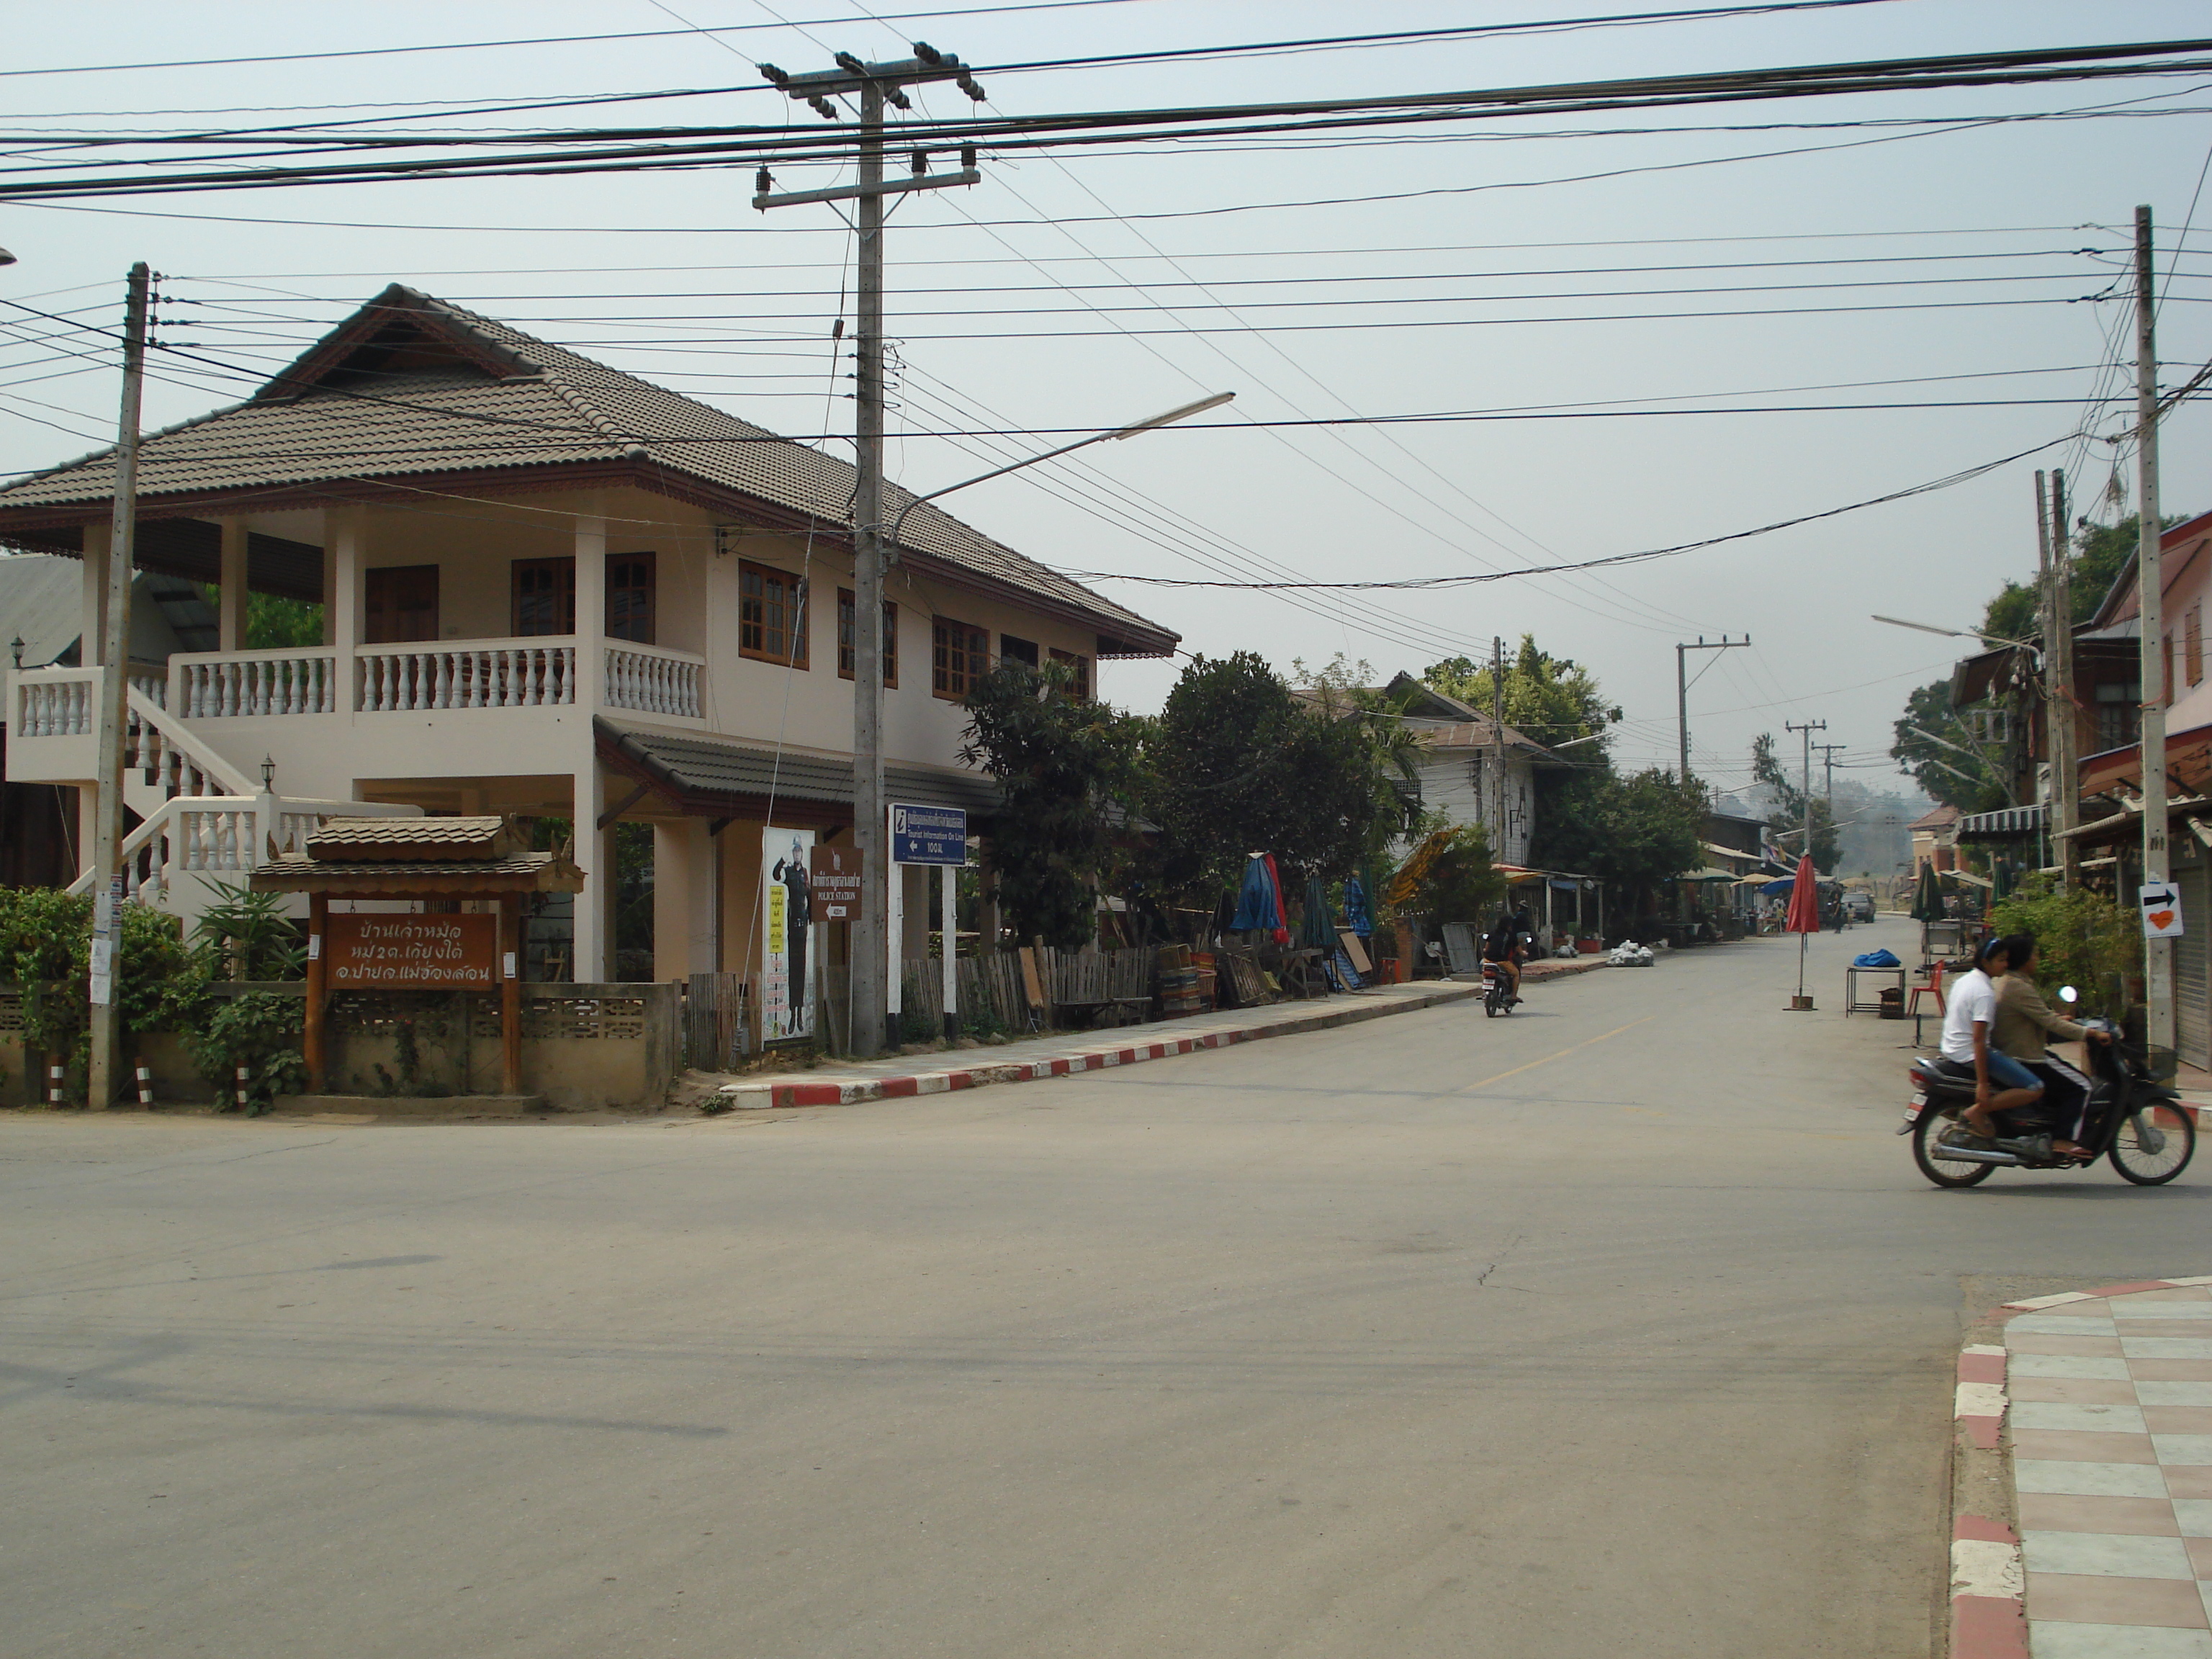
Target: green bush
point(2082, 938)
point(46, 948)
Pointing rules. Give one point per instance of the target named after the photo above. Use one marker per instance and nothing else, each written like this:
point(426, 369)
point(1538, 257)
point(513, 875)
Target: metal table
point(1853, 1004)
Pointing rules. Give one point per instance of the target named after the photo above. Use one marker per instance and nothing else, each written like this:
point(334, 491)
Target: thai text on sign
point(450, 952)
point(834, 883)
point(929, 834)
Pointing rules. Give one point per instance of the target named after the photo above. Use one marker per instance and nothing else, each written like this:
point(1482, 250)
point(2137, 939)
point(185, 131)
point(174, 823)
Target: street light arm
point(1959, 634)
point(1173, 415)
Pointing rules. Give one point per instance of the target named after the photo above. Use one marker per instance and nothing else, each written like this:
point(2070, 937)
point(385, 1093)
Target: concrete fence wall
point(584, 1046)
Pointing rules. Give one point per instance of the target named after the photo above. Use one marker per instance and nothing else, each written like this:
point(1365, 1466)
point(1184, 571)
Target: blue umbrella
point(1255, 901)
point(1356, 912)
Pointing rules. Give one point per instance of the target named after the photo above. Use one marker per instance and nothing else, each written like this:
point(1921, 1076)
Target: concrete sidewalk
point(1061, 1054)
point(2099, 1403)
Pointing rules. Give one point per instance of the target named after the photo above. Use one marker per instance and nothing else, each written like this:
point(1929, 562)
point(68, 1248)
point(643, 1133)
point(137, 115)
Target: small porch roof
point(718, 778)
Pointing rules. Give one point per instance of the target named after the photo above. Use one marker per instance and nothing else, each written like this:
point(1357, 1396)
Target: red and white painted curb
point(847, 1091)
point(1988, 1587)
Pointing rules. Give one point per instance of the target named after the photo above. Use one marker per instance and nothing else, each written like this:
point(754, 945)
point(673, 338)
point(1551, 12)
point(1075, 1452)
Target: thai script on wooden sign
point(834, 883)
point(412, 951)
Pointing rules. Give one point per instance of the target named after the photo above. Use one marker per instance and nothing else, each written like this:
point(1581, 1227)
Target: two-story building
point(548, 588)
point(1463, 760)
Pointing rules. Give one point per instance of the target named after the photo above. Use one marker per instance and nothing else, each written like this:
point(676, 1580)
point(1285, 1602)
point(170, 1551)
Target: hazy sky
point(1095, 286)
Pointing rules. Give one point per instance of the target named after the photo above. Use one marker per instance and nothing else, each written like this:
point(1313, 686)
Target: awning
point(1965, 876)
point(2007, 823)
point(1720, 852)
point(1708, 874)
point(714, 777)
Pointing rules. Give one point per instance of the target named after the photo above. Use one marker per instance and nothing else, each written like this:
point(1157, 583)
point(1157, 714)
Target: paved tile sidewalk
point(1059, 1054)
point(2107, 1399)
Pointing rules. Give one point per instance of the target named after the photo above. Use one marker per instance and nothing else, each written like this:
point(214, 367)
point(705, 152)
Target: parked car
point(1859, 906)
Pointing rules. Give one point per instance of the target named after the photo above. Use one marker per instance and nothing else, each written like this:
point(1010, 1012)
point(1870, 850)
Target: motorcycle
point(2132, 1119)
point(1497, 996)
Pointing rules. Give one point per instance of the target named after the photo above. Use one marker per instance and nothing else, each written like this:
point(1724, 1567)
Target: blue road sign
point(929, 834)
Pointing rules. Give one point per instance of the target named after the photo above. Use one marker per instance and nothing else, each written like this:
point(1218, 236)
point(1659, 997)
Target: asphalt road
point(1622, 1325)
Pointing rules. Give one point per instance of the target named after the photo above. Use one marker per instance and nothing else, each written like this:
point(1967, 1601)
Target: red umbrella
point(1804, 918)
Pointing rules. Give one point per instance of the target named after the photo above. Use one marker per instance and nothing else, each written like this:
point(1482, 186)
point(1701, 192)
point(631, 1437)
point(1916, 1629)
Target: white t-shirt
point(1969, 997)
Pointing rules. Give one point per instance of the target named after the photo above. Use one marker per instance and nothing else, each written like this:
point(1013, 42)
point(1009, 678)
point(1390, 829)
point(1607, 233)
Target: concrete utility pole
point(115, 708)
point(1498, 741)
point(1828, 753)
point(2061, 717)
point(1682, 687)
point(2158, 953)
point(877, 84)
point(1809, 729)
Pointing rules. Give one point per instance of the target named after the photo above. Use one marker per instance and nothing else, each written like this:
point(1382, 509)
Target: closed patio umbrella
point(1804, 918)
point(1926, 896)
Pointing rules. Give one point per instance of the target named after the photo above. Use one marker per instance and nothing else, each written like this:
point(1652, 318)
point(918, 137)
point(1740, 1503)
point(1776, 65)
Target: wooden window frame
point(567, 593)
point(1081, 664)
point(847, 604)
point(649, 562)
point(973, 649)
point(378, 574)
point(796, 622)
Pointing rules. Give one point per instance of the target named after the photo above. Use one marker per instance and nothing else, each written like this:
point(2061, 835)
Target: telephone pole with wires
point(1828, 753)
point(114, 709)
point(875, 85)
point(1809, 729)
point(2158, 951)
point(1682, 687)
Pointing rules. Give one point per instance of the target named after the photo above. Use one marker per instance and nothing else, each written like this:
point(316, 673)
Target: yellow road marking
point(1501, 1077)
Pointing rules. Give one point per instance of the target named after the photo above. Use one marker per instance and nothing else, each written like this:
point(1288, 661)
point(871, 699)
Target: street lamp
point(1181, 413)
point(1958, 632)
point(6, 258)
point(871, 942)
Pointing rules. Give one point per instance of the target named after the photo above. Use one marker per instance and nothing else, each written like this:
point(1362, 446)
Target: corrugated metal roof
point(716, 766)
point(553, 406)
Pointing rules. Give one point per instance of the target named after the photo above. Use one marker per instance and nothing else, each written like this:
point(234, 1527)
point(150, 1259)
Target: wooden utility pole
point(115, 708)
point(2158, 953)
point(877, 85)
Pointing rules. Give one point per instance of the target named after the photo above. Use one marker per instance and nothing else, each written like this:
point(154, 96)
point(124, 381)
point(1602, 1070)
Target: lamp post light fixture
point(6, 258)
point(1960, 633)
point(15, 645)
point(268, 773)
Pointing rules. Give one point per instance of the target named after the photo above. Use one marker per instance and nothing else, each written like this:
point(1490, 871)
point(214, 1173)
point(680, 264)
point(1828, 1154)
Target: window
point(1081, 667)
point(630, 597)
point(771, 615)
point(545, 596)
point(1016, 650)
point(2117, 717)
point(2193, 646)
point(399, 602)
point(2166, 667)
point(845, 666)
point(962, 656)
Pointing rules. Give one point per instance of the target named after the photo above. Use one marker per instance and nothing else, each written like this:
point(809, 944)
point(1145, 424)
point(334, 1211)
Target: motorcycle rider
point(1506, 945)
point(2026, 1023)
point(2001, 1083)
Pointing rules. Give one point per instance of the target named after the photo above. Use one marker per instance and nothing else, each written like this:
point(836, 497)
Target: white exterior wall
point(1456, 783)
point(539, 760)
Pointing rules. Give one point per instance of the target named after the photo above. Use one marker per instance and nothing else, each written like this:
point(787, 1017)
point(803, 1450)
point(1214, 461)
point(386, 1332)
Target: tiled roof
point(347, 839)
point(544, 872)
point(505, 399)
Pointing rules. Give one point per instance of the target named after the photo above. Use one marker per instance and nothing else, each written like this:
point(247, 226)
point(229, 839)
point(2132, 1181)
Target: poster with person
point(786, 975)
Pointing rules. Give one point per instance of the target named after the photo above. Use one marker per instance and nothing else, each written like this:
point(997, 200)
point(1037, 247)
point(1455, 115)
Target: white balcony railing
point(222, 837)
point(63, 702)
point(295, 682)
point(478, 674)
point(653, 681)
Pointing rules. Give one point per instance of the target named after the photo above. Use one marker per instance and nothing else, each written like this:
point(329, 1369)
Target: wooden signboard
point(394, 951)
point(833, 882)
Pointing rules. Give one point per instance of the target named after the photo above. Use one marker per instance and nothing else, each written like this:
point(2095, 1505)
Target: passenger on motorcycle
point(1508, 945)
point(2001, 1083)
point(2024, 1025)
